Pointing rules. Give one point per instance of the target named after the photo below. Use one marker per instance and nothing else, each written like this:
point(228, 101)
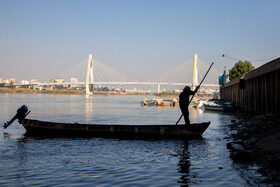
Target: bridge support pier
point(158, 88)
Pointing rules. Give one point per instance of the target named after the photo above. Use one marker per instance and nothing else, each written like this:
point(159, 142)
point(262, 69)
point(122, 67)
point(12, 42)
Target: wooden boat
point(180, 131)
point(37, 127)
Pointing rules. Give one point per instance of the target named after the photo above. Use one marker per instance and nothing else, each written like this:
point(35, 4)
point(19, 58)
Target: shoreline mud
point(257, 140)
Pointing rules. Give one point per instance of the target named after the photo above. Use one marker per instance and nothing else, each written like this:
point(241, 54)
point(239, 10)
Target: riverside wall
point(256, 92)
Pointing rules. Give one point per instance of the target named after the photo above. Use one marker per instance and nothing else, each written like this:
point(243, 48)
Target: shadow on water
point(184, 164)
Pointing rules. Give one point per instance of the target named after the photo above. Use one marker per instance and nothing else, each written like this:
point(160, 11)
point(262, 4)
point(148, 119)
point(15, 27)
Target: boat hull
point(217, 107)
point(36, 127)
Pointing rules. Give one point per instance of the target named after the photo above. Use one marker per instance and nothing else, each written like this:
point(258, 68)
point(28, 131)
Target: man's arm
point(193, 92)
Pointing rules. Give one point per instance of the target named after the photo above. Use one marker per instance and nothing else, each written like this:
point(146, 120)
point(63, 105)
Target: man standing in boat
point(184, 102)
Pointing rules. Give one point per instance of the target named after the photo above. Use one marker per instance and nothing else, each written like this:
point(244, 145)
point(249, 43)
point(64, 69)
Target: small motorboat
point(146, 102)
point(159, 102)
point(225, 106)
point(199, 103)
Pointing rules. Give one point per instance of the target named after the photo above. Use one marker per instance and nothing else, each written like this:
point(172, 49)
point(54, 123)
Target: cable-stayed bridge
point(96, 73)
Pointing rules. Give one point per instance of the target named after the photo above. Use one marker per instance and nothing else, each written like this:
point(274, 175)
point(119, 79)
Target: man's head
point(186, 89)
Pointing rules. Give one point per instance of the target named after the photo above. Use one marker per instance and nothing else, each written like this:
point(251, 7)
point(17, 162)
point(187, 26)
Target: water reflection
point(193, 114)
point(88, 108)
point(200, 111)
point(184, 164)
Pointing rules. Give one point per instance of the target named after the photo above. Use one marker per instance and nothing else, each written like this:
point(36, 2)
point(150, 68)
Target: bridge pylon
point(89, 74)
point(195, 75)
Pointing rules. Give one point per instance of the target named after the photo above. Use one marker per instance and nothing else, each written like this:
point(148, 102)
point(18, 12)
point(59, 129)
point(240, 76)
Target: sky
point(139, 38)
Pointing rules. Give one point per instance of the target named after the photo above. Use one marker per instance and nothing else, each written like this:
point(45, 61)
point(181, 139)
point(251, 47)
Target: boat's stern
point(22, 112)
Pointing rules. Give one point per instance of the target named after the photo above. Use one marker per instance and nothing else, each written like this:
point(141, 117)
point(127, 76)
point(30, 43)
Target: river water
point(39, 161)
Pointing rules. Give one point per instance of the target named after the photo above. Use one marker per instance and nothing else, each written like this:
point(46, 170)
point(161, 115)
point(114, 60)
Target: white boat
point(225, 106)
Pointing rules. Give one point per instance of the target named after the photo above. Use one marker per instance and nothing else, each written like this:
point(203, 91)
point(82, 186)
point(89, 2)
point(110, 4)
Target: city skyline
point(40, 39)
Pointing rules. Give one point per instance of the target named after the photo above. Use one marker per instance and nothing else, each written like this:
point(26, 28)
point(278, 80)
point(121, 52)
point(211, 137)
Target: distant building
point(34, 81)
point(57, 80)
point(5, 81)
point(177, 90)
point(24, 82)
point(12, 81)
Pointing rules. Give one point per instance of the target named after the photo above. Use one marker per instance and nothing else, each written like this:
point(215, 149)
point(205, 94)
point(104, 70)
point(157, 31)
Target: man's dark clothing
point(184, 104)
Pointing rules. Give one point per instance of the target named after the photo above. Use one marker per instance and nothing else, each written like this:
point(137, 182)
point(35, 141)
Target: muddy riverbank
point(260, 139)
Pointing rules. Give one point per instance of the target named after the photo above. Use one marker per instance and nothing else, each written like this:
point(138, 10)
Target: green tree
point(239, 69)
point(11, 85)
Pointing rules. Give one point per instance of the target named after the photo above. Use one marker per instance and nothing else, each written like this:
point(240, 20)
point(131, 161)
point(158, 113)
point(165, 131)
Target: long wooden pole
point(193, 95)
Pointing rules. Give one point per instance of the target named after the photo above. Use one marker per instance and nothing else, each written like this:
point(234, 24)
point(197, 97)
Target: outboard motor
point(22, 112)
